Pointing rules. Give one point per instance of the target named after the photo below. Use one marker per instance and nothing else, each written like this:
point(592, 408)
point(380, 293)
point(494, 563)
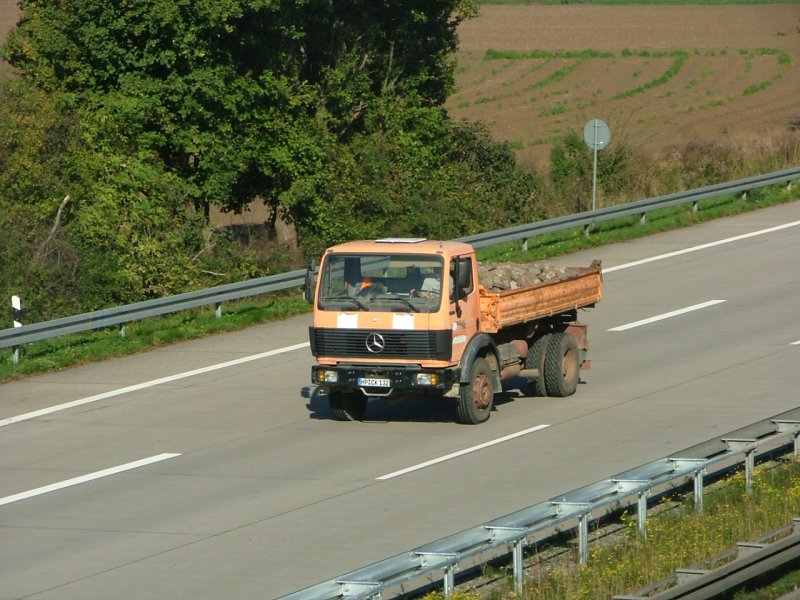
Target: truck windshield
point(381, 282)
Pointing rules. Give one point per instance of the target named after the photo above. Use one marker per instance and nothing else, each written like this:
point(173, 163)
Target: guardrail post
point(218, 310)
point(791, 426)
point(695, 206)
point(122, 330)
point(641, 514)
point(449, 581)
point(525, 244)
point(583, 538)
point(744, 195)
point(749, 465)
point(746, 446)
point(643, 218)
point(517, 548)
point(16, 311)
point(698, 491)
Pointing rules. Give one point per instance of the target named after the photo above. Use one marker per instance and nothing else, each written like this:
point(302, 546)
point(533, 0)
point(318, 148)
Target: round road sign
point(596, 134)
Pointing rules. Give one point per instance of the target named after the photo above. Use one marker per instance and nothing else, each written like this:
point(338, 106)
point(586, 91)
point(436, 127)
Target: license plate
point(374, 382)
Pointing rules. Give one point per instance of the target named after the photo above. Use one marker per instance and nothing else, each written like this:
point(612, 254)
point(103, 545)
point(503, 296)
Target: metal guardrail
point(216, 295)
point(639, 207)
point(627, 488)
point(149, 308)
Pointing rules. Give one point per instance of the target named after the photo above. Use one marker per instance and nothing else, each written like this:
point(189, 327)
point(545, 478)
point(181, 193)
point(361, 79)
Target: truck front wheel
point(347, 406)
point(476, 397)
point(561, 368)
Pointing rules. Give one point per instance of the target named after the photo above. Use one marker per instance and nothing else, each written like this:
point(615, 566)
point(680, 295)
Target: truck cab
point(403, 316)
point(389, 318)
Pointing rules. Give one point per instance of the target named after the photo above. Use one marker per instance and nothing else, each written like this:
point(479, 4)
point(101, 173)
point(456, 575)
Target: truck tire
point(476, 398)
point(561, 368)
point(533, 360)
point(347, 406)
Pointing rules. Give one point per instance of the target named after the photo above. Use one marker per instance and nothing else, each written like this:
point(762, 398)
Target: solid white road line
point(461, 452)
point(797, 343)
point(148, 384)
point(668, 315)
point(84, 478)
point(636, 263)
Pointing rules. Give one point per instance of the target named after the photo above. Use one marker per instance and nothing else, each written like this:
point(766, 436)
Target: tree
point(330, 111)
point(240, 97)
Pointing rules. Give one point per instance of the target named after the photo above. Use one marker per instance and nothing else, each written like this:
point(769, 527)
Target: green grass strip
point(494, 54)
point(669, 74)
point(66, 351)
point(628, 228)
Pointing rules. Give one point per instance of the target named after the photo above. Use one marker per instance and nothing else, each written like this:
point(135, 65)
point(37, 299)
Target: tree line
point(126, 122)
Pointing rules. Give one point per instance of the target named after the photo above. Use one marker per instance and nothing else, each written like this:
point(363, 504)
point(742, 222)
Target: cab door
point(464, 302)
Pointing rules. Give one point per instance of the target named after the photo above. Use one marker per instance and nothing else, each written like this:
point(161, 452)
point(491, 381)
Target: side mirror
point(312, 271)
point(464, 281)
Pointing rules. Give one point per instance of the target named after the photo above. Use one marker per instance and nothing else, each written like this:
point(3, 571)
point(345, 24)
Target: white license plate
point(374, 382)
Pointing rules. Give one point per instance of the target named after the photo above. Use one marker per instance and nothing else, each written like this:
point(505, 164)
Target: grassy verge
point(628, 228)
point(67, 351)
point(677, 537)
point(63, 352)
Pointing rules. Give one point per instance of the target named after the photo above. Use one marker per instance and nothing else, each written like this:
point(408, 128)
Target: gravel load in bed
point(511, 276)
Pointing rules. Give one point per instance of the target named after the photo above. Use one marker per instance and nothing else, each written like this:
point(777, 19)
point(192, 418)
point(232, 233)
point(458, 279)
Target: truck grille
point(371, 343)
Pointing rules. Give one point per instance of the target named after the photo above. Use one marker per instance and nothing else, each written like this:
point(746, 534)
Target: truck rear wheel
point(347, 406)
point(533, 360)
point(561, 368)
point(477, 397)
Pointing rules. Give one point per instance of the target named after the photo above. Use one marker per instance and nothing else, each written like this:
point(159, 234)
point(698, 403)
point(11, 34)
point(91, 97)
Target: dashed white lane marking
point(148, 384)
point(673, 313)
point(85, 478)
point(435, 461)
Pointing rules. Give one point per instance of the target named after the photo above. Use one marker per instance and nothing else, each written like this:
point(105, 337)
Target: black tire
point(533, 360)
point(476, 398)
point(347, 406)
point(561, 368)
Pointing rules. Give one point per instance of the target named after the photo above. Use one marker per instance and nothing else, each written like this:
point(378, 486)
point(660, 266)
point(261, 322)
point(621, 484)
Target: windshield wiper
point(407, 302)
point(360, 304)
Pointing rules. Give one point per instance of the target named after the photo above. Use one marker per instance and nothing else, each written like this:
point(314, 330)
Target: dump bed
point(581, 288)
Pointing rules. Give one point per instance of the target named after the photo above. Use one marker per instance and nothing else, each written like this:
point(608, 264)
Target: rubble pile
point(510, 276)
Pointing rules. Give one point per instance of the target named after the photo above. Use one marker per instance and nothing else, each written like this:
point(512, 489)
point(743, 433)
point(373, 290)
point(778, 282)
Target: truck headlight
point(325, 376)
point(426, 379)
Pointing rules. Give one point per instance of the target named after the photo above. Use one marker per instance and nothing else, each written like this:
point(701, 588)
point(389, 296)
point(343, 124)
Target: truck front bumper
point(383, 380)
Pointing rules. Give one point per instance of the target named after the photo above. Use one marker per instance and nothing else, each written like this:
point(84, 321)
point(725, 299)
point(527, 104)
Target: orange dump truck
point(400, 316)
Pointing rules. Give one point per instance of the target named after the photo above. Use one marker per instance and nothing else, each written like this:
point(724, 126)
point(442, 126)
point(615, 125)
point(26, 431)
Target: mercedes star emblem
point(375, 343)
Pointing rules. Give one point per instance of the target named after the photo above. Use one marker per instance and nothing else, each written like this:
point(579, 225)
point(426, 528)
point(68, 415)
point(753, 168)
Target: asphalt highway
point(213, 469)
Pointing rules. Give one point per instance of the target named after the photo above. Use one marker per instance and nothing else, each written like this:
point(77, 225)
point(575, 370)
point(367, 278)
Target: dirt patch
point(667, 75)
point(8, 18)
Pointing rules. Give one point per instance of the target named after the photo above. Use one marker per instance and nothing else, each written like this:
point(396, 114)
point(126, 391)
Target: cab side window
point(465, 285)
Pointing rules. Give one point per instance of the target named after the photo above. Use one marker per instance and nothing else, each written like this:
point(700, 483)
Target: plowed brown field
point(734, 82)
point(8, 17)
point(739, 77)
